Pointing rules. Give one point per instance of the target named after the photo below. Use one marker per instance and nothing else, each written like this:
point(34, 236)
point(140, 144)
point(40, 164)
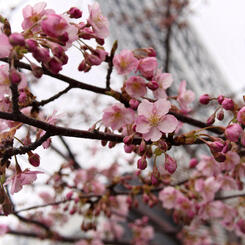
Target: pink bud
point(34, 159)
point(75, 13)
point(129, 148)
point(220, 115)
point(241, 116)
point(142, 163)
point(69, 195)
point(36, 70)
point(233, 132)
point(216, 146)
point(54, 65)
point(228, 104)
point(83, 66)
point(128, 139)
point(154, 180)
point(41, 54)
point(15, 76)
point(220, 99)
point(17, 39)
point(170, 164)
point(211, 120)
point(22, 96)
point(204, 99)
point(153, 85)
point(142, 147)
point(134, 104)
point(31, 45)
point(193, 162)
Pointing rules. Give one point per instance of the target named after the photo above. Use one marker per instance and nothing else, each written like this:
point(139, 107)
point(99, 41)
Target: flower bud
point(211, 120)
point(74, 13)
point(220, 99)
point(127, 140)
point(153, 85)
point(170, 164)
point(17, 39)
point(228, 104)
point(69, 195)
point(233, 132)
point(220, 115)
point(216, 146)
point(36, 70)
point(33, 158)
point(142, 163)
point(134, 104)
point(129, 148)
point(204, 99)
point(193, 162)
point(241, 116)
point(31, 45)
point(15, 76)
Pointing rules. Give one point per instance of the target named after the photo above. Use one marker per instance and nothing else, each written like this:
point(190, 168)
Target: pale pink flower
point(207, 188)
point(233, 132)
point(33, 14)
point(152, 120)
point(231, 160)
point(227, 183)
point(208, 166)
point(213, 209)
point(80, 177)
point(54, 25)
point(147, 66)
point(164, 81)
point(98, 22)
point(125, 62)
point(185, 97)
point(168, 196)
point(135, 86)
point(5, 46)
point(25, 177)
point(117, 116)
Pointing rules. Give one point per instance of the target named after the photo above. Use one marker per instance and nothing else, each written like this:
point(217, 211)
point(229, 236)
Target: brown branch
point(110, 63)
point(230, 197)
point(56, 96)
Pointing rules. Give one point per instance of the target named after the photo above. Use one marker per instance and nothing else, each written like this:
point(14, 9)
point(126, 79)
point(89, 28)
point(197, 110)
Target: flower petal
point(168, 124)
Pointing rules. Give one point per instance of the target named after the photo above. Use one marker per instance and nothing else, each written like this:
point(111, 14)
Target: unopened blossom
point(135, 86)
point(170, 164)
point(228, 104)
point(233, 132)
point(98, 22)
point(204, 99)
point(117, 116)
point(241, 116)
point(185, 97)
point(153, 119)
point(164, 81)
point(25, 177)
point(147, 67)
point(125, 62)
point(74, 13)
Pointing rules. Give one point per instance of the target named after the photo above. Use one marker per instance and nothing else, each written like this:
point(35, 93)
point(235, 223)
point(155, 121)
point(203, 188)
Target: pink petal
point(154, 134)
point(162, 107)
point(168, 124)
point(145, 108)
point(142, 125)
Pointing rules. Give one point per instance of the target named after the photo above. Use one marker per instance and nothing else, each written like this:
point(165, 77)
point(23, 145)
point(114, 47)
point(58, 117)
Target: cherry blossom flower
point(152, 120)
point(208, 166)
point(98, 22)
point(135, 86)
point(25, 177)
point(147, 67)
point(233, 132)
point(168, 196)
point(117, 116)
point(125, 62)
point(185, 97)
point(33, 14)
point(164, 81)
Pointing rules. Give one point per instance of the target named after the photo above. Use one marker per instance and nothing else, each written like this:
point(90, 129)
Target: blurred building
point(142, 23)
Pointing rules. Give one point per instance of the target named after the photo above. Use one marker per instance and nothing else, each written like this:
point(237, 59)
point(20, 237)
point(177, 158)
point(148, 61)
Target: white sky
point(221, 24)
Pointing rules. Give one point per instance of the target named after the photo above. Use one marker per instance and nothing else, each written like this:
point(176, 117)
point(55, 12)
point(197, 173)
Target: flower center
point(154, 120)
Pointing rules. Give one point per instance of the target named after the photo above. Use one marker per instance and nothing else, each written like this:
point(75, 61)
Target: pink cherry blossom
point(33, 14)
point(135, 86)
point(164, 81)
point(168, 196)
point(117, 116)
point(233, 132)
point(207, 188)
point(98, 22)
point(208, 166)
point(185, 97)
point(152, 120)
point(232, 159)
point(125, 62)
point(147, 67)
point(25, 177)
point(5, 46)
point(54, 25)
point(212, 210)
point(227, 183)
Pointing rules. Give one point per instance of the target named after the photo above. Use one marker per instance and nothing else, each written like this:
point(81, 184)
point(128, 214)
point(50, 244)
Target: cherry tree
point(143, 121)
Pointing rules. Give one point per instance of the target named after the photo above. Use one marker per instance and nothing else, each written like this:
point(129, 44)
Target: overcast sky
point(221, 24)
